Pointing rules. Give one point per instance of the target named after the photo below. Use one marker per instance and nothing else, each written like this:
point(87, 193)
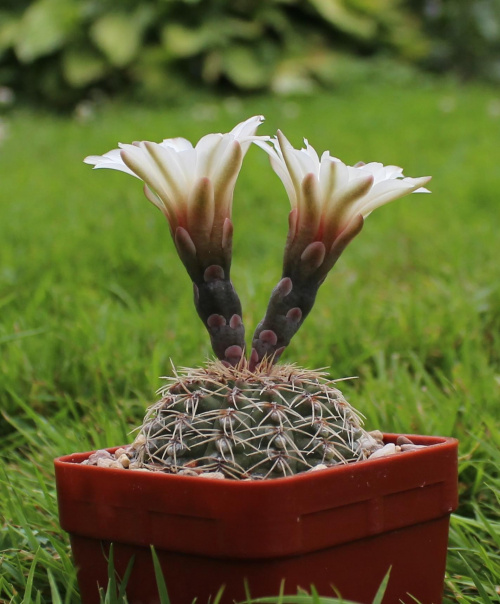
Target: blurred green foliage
point(59, 51)
point(466, 36)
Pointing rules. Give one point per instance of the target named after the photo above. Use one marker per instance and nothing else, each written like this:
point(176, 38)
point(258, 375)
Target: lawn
point(94, 302)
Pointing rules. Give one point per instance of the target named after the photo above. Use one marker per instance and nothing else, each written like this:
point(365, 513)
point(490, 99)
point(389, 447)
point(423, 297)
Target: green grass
point(94, 303)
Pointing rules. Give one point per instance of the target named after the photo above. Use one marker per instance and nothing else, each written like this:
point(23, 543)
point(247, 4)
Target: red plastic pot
point(343, 526)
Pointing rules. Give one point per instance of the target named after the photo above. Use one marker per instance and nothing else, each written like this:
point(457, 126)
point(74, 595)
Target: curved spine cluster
point(277, 421)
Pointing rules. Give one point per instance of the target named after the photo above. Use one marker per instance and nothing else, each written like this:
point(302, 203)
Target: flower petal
point(388, 194)
point(279, 166)
point(225, 174)
point(207, 149)
point(380, 172)
point(154, 199)
point(244, 131)
point(293, 164)
point(357, 187)
point(342, 206)
point(141, 163)
point(200, 214)
point(341, 172)
point(112, 160)
point(187, 161)
point(307, 162)
point(309, 215)
point(328, 177)
point(177, 144)
point(280, 169)
point(310, 151)
point(167, 164)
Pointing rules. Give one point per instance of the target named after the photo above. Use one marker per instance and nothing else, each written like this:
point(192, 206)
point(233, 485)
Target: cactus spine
point(276, 421)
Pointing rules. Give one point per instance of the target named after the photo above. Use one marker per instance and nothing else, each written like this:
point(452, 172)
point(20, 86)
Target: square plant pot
point(343, 526)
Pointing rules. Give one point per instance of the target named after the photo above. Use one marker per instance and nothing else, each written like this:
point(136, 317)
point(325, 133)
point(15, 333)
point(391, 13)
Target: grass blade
point(218, 595)
point(125, 579)
point(160, 579)
point(29, 581)
point(383, 586)
point(56, 597)
point(485, 598)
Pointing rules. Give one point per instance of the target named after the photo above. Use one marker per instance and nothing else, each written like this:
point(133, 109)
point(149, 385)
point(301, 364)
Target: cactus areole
point(242, 474)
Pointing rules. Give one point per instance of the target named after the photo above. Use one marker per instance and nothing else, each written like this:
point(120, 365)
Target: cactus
point(250, 418)
point(276, 421)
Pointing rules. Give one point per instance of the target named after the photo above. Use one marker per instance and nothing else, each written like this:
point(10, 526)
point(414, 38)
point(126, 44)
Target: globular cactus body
point(275, 421)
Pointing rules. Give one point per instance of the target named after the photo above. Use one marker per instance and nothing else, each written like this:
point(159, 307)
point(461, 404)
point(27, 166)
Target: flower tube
point(329, 202)
point(193, 186)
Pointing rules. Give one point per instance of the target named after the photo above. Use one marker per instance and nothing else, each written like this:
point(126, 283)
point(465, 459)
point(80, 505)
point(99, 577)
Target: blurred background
point(60, 53)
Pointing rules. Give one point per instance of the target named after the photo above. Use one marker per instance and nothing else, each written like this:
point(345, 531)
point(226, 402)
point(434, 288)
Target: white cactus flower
point(327, 196)
point(192, 186)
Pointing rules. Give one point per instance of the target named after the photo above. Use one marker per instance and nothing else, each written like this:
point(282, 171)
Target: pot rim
point(430, 442)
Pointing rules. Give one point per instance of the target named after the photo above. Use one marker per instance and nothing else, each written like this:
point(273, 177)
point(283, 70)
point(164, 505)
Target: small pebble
point(403, 440)
point(388, 449)
point(216, 475)
point(104, 462)
point(123, 460)
point(119, 452)
point(187, 472)
point(368, 444)
point(320, 466)
point(411, 447)
point(101, 454)
point(377, 435)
